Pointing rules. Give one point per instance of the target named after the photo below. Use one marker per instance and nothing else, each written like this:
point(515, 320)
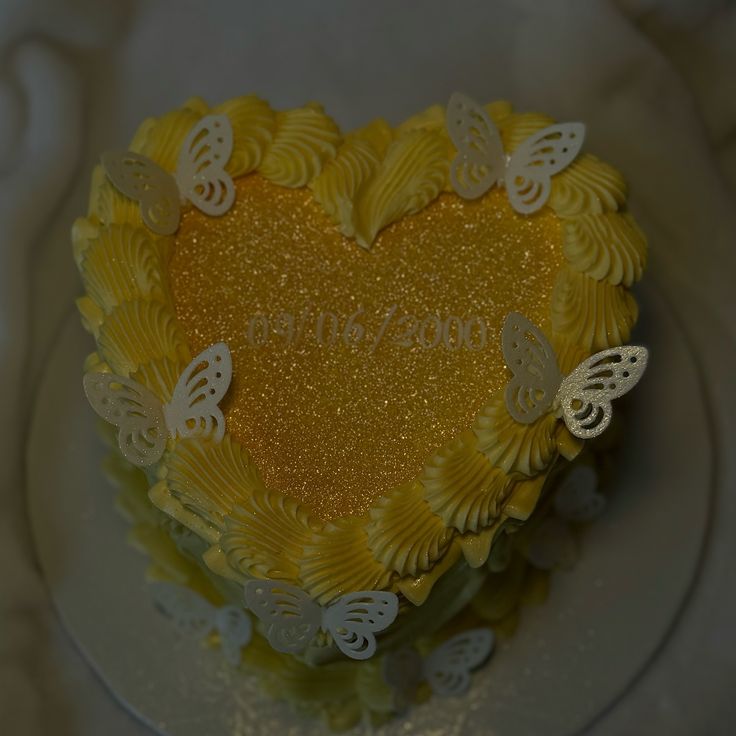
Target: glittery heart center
point(352, 367)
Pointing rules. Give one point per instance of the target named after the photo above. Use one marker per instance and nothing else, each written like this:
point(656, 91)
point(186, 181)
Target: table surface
point(653, 82)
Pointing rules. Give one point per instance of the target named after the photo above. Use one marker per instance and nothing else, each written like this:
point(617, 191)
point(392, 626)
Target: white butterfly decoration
point(447, 668)
point(200, 176)
point(293, 619)
point(577, 498)
point(145, 423)
point(481, 161)
point(195, 618)
point(583, 398)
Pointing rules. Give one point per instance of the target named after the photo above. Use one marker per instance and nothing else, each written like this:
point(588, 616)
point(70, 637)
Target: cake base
point(570, 660)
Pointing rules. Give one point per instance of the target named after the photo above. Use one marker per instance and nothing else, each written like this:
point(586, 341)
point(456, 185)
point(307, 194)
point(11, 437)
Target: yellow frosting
point(623, 257)
point(304, 139)
point(254, 126)
point(411, 175)
point(404, 535)
point(266, 536)
point(337, 186)
point(483, 469)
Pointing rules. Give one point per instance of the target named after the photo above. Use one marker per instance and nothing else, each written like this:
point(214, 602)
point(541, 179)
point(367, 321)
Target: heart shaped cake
point(350, 367)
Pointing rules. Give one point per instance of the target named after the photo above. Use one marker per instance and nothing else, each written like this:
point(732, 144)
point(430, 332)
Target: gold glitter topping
point(352, 367)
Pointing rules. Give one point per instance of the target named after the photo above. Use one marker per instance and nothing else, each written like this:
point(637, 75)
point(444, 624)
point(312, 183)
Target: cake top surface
point(351, 367)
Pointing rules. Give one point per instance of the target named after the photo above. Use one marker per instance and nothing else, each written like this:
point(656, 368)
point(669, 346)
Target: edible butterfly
point(583, 398)
point(481, 161)
point(145, 422)
point(195, 618)
point(447, 668)
point(293, 619)
point(200, 176)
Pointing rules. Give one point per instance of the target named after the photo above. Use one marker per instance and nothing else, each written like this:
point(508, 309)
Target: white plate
point(570, 660)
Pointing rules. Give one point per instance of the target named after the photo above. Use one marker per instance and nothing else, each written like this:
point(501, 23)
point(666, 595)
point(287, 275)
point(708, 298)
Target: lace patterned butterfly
point(145, 423)
point(447, 668)
point(200, 176)
point(195, 618)
point(583, 398)
point(293, 619)
point(482, 163)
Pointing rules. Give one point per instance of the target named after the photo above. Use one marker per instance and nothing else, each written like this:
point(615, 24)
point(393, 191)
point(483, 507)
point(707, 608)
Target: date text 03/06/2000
point(362, 330)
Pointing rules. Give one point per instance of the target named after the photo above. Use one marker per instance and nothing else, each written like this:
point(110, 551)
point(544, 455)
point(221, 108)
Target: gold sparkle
point(337, 426)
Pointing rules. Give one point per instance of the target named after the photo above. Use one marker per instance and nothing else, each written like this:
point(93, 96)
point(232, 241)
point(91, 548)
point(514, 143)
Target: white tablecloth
point(653, 80)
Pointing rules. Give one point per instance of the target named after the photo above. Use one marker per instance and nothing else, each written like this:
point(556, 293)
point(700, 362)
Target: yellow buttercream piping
point(303, 141)
point(568, 445)
point(411, 175)
point(337, 186)
point(337, 560)
point(161, 374)
point(607, 247)
point(586, 187)
point(403, 534)
point(265, 535)
point(92, 316)
point(512, 447)
point(524, 497)
point(208, 479)
point(136, 333)
point(433, 118)
point(84, 231)
point(476, 547)
point(107, 205)
point(593, 314)
point(568, 353)
point(417, 589)
point(254, 124)
point(462, 486)
point(515, 128)
point(164, 139)
point(377, 134)
point(121, 264)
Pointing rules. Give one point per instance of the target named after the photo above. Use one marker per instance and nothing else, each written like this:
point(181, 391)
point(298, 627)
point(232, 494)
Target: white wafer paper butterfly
point(447, 668)
point(577, 498)
point(195, 618)
point(145, 422)
point(583, 398)
point(293, 619)
point(481, 161)
point(200, 176)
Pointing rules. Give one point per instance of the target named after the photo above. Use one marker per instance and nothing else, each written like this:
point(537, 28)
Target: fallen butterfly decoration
point(200, 176)
point(577, 498)
point(293, 619)
point(446, 669)
point(195, 618)
point(482, 163)
point(583, 398)
point(145, 422)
